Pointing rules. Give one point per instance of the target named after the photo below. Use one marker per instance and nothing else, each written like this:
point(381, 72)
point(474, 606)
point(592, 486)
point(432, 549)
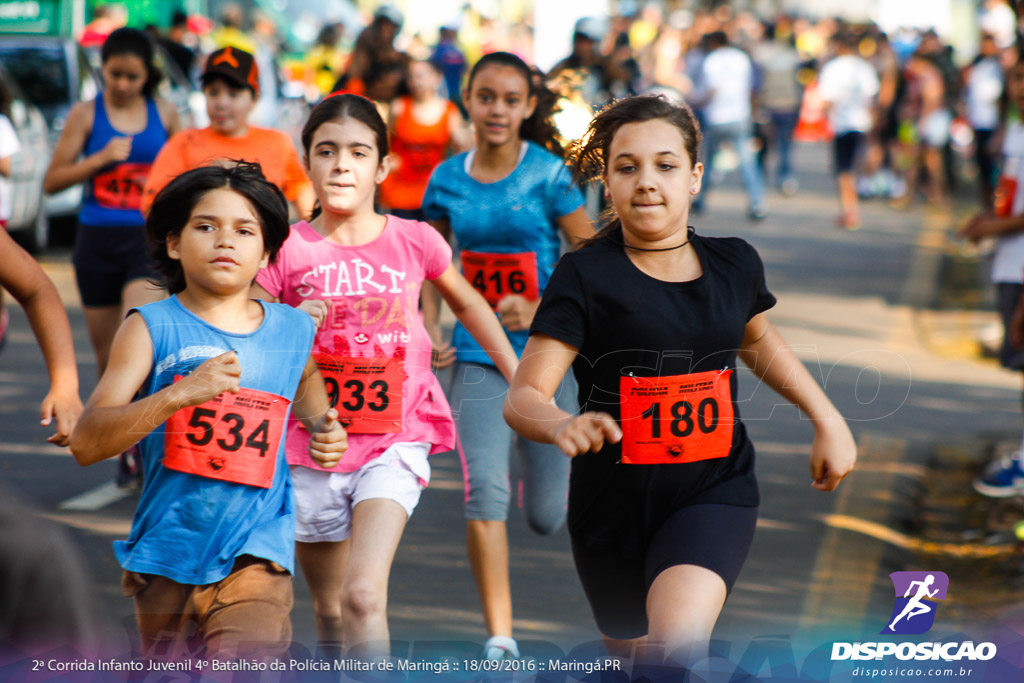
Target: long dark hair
point(539, 128)
point(344, 106)
point(5, 101)
point(174, 204)
point(589, 156)
point(130, 41)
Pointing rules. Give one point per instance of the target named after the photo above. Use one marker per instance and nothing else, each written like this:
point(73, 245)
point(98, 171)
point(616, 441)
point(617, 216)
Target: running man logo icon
point(914, 611)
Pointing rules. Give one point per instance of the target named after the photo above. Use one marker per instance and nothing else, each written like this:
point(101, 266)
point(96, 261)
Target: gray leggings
point(476, 396)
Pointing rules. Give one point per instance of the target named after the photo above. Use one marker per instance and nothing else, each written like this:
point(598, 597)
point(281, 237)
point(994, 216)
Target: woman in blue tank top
point(109, 144)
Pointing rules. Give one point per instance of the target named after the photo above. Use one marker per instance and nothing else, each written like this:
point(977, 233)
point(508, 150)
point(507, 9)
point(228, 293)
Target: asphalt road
point(906, 377)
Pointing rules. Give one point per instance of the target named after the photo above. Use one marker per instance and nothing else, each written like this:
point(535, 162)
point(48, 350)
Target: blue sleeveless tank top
point(112, 196)
point(188, 527)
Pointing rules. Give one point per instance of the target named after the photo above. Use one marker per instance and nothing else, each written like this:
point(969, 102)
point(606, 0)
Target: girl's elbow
point(510, 414)
point(51, 186)
point(84, 456)
point(85, 450)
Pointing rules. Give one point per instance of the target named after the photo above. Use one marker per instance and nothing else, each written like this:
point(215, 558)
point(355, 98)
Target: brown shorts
point(245, 614)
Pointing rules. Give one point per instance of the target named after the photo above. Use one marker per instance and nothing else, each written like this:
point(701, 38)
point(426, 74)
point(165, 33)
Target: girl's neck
point(240, 132)
point(496, 158)
point(424, 98)
point(678, 265)
point(493, 163)
point(232, 312)
point(350, 230)
point(110, 104)
point(673, 259)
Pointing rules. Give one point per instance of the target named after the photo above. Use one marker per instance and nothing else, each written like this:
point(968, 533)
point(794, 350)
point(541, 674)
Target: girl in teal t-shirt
point(505, 202)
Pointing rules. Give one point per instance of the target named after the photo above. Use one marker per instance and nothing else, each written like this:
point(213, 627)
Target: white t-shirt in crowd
point(728, 75)
point(850, 84)
point(1008, 264)
point(999, 20)
point(984, 87)
point(9, 146)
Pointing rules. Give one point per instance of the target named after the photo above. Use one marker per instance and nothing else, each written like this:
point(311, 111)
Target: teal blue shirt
point(519, 213)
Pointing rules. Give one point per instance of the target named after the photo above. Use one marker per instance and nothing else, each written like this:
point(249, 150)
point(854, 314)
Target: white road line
point(33, 449)
point(97, 498)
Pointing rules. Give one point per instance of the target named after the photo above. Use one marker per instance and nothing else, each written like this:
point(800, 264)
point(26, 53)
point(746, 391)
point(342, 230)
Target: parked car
point(54, 73)
point(176, 87)
point(28, 223)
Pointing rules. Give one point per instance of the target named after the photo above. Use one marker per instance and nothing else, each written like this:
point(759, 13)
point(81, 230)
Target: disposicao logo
point(916, 593)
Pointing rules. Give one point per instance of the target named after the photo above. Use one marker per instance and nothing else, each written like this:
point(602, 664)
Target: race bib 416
point(498, 275)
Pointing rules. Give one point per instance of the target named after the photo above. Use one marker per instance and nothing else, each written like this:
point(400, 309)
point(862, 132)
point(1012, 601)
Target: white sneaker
point(501, 647)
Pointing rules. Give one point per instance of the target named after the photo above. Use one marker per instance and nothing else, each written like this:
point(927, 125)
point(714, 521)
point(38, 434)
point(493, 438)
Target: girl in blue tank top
point(113, 195)
point(109, 144)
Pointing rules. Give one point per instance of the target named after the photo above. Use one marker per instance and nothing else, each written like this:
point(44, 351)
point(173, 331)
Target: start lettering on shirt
point(348, 280)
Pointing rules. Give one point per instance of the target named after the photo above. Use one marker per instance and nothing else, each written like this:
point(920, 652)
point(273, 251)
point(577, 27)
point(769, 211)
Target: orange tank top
point(419, 149)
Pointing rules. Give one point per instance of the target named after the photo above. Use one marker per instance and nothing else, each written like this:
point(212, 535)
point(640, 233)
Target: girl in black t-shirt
point(652, 318)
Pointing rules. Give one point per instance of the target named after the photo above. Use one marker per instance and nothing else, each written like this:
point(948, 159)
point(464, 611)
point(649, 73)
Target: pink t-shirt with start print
point(373, 293)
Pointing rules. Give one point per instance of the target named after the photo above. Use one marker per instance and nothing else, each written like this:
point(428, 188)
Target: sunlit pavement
point(887, 317)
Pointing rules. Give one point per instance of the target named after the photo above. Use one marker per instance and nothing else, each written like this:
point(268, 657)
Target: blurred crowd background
point(935, 117)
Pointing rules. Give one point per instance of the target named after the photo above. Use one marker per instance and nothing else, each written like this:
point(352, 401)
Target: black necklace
point(689, 234)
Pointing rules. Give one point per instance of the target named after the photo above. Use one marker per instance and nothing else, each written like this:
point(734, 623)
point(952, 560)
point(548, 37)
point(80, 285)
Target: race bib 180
point(682, 418)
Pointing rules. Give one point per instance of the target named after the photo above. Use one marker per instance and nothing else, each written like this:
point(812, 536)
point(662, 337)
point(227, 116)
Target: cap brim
point(211, 76)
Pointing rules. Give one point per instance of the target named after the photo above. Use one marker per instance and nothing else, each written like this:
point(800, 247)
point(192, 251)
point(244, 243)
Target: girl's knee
point(488, 502)
point(327, 608)
point(545, 522)
point(329, 622)
point(364, 599)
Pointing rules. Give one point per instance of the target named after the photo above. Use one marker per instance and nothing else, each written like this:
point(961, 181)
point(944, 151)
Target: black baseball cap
point(235, 66)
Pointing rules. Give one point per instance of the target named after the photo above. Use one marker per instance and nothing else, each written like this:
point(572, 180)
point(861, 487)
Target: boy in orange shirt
point(231, 86)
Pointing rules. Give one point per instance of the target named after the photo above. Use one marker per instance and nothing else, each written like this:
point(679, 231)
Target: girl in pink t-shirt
point(359, 273)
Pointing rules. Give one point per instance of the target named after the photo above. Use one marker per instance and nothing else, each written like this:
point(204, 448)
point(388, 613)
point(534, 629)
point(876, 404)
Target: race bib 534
point(232, 437)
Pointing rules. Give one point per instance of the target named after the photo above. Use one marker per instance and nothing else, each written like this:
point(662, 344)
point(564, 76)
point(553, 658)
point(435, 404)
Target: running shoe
point(501, 647)
point(1003, 478)
point(5, 321)
point(865, 188)
point(129, 469)
point(849, 220)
